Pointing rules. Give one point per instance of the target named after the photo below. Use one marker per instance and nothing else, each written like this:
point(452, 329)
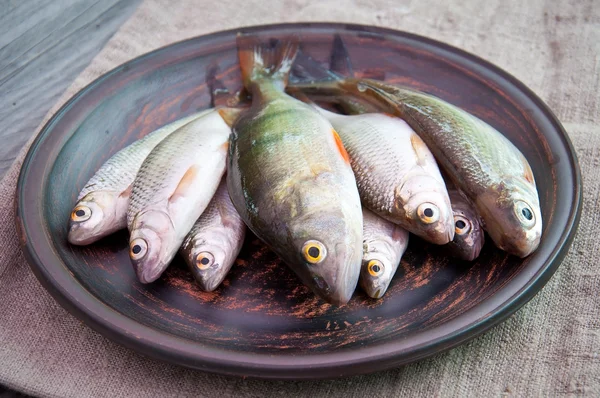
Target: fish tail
point(307, 70)
point(339, 61)
point(272, 61)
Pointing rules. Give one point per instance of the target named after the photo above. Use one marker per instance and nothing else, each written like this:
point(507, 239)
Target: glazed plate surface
point(262, 322)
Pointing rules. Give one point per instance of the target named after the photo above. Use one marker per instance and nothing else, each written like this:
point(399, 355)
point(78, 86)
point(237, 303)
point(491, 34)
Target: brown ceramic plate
point(262, 322)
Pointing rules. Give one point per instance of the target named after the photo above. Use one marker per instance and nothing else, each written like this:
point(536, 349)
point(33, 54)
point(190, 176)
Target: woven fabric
point(551, 347)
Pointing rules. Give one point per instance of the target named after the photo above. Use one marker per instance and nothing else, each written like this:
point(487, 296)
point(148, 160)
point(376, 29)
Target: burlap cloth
point(550, 347)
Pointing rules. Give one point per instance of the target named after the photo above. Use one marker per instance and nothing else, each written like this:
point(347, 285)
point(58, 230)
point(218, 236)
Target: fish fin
point(230, 115)
point(528, 173)
point(127, 192)
point(219, 94)
point(420, 148)
point(260, 60)
point(339, 61)
point(308, 70)
point(340, 146)
point(185, 184)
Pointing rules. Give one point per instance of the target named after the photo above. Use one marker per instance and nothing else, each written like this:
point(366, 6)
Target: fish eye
point(81, 213)
point(314, 251)
point(375, 267)
point(138, 248)
point(524, 213)
point(204, 260)
point(428, 213)
point(462, 226)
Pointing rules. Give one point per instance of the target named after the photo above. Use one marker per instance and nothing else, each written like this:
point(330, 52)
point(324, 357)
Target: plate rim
point(152, 342)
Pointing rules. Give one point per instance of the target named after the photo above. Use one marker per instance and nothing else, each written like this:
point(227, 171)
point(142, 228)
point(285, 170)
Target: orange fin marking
point(421, 150)
point(528, 174)
point(185, 184)
point(230, 115)
point(127, 193)
point(340, 146)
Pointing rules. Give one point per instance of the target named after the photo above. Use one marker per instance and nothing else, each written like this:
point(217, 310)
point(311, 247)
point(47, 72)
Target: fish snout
point(150, 245)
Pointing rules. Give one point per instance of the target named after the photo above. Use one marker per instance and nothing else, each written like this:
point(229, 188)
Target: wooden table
point(44, 45)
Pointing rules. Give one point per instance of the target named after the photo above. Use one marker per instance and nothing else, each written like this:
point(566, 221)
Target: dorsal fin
point(339, 61)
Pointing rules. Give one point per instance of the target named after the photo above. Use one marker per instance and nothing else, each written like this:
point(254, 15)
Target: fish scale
point(218, 212)
point(477, 172)
point(395, 172)
point(171, 190)
point(118, 172)
point(219, 231)
point(384, 242)
point(290, 178)
point(156, 182)
point(482, 162)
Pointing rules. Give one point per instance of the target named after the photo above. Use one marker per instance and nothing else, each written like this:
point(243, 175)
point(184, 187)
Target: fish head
point(94, 216)
point(327, 252)
point(468, 234)
point(512, 216)
point(151, 244)
point(424, 203)
point(379, 264)
point(210, 258)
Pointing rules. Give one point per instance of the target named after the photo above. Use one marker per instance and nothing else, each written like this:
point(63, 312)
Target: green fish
point(290, 179)
point(480, 161)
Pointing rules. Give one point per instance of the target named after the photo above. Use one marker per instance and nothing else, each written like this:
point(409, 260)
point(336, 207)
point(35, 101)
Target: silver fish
point(397, 176)
point(101, 207)
point(214, 242)
point(171, 190)
point(384, 243)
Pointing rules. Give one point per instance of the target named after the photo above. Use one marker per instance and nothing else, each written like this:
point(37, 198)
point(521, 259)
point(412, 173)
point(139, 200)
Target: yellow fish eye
point(428, 213)
point(204, 260)
point(81, 213)
point(314, 251)
point(462, 225)
point(375, 267)
point(138, 248)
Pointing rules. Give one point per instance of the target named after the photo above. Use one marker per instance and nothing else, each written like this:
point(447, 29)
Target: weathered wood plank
point(44, 45)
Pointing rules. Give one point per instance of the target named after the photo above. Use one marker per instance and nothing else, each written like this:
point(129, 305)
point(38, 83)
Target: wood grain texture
point(262, 321)
point(44, 45)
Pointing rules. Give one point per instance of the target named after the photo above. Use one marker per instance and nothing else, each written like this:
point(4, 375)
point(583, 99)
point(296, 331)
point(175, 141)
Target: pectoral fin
point(186, 184)
point(421, 150)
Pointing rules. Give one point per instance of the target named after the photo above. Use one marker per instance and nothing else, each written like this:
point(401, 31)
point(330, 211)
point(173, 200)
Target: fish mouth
point(438, 237)
point(336, 297)
point(377, 291)
point(208, 283)
point(146, 274)
point(519, 250)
